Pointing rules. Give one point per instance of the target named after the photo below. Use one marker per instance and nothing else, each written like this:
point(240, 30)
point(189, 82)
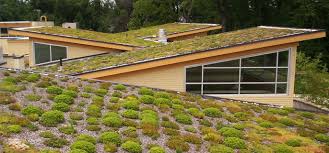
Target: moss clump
point(112, 119)
point(33, 77)
point(322, 138)
point(132, 147)
point(212, 112)
point(132, 114)
point(56, 142)
point(110, 137)
point(282, 148)
point(294, 142)
point(183, 118)
point(71, 93)
point(120, 87)
point(235, 142)
point(287, 121)
point(157, 149)
point(68, 129)
point(231, 132)
point(63, 99)
point(52, 118)
point(33, 97)
point(131, 104)
point(220, 149)
point(94, 111)
point(84, 145)
point(196, 113)
point(6, 98)
point(61, 107)
point(178, 144)
point(145, 91)
point(30, 109)
point(212, 137)
point(147, 99)
point(101, 92)
point(85, 137)
point(54, 90)
point(266, 124)
point(14, 128)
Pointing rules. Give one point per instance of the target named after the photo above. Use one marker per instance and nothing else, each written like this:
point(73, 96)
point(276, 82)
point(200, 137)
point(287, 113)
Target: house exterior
point(255, 64)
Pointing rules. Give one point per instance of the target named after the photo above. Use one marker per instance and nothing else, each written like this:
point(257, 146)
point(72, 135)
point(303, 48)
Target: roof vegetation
point(175, 48)
point(132, 37)
point(166, 122)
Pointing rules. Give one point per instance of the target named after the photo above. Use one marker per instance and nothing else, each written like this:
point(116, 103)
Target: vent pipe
point(163, 36)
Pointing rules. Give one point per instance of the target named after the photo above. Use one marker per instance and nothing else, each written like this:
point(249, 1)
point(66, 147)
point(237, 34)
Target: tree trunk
point(223, 14)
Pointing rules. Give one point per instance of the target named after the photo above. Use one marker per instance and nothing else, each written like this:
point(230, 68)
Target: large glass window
point(262, 74)
point(47, 53)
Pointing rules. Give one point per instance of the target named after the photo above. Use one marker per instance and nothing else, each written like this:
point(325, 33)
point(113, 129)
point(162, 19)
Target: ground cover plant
point(58, 116)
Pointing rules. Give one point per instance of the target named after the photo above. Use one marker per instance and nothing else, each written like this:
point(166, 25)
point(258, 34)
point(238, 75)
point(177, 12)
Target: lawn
point(49, 114)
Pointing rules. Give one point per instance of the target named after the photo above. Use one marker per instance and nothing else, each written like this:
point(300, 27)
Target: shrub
point(196, 112)
point(14, 128)
point(322, 138)
point(84, 145)
point(63, 99)
point(33, 77)
point(6, 98)
point(71, 93)
point(234, 142)
point(132, 147)
point(101, 92)
point(147, 99)
point(120, 87)
point(287, 121)
point(212, 137)
point(282, 148)
point(294, 142)
point(67, 130)
point(177, 143)
point(231, 132)
point(114, 99)
point(15, 107)
point(110, 147)
point(157, 149)
point(85, 137)
point(32, 110)
point(220, 149)
point(54, 90)
point(212, 112)
point(61, 107)
point(33, 97)
point(183, 118)
point(52, 118)
point(56, 142)
point(162, 101)
point(132, 114)
point(117, 94)
point(112, 119)
point(266, 124)
point(131, 104)
point(110, 137)
point(94, 110)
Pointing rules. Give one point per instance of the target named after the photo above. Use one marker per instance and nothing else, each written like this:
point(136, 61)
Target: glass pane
point(282, 75)
point(42, 53)
point(257, 89)
point(281, 88)
point(283, 58)
point(258, 75)
point(220, 88)
point(58, 52)
point(193, 88)
point(268, 60)
point(194, 74)
point(221, 75)
point(235, 63)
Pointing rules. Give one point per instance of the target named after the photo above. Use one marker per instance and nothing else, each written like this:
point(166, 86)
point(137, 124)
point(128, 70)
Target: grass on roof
point(174, 48)
point(133, 37)
point(76, 115)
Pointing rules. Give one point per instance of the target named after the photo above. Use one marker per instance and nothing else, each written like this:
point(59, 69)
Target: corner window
point(46, 53)
point(261, 74)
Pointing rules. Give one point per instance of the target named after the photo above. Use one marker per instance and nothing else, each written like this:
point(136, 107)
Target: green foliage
point(85, 137)
point(54, 90)
point(15, 107)
point(157, 149)
point(322, 138)
point(85, 95)
point(33, 97)
point(78, 151)
point(101, 92)
point(110, 137)
point(195, 113)
point(234, 142)
point(294, 142)
point(278, 111)
point(30, 109)
point(132, 147)
point(231, 132)
point(92, 121)
point(110, 147)
point(287, 121)
point(33, 77)
point(117, 94)
point(212, 112)
point(307, 115)
point(47, 134)
point(112, 119)
point(52, 118)
point(266, 124)
point(105, 85)
point(183, 118)
point(220, 149)
point(71, 93)
point(147, 99)
point(84, 145)
point(14, 128)
point(67, 129)
point(145, 91)
point(131, 104)
point(169, 124)
point(114, 99)
point(63, 99)
point(177, 143)
point(94, 111)
point(61, 107)
point(120, 87)
point(56, 142)
point(6, 98)
point(132, 114)
point(282, 148)
point(212, 137)
point(76, 116)
point(162, 94)
point(192, 138)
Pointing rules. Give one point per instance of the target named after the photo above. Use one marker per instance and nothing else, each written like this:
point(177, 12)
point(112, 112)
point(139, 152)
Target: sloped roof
point(179, 48)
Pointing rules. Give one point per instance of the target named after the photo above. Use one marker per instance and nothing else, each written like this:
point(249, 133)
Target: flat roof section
point(258, 37)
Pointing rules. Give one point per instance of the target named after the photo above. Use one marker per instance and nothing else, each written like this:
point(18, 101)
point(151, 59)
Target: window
point(262, 74)
point(47, 53)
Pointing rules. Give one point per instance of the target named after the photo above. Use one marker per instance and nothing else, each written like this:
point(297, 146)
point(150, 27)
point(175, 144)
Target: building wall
point(172, 77)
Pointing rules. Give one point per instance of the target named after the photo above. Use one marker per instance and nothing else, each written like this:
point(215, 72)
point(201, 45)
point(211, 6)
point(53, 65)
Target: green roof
point(189, 46)
point(132, 37)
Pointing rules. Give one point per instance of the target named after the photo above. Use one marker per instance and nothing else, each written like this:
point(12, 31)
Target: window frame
point(50, 45)
point(277, 67)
